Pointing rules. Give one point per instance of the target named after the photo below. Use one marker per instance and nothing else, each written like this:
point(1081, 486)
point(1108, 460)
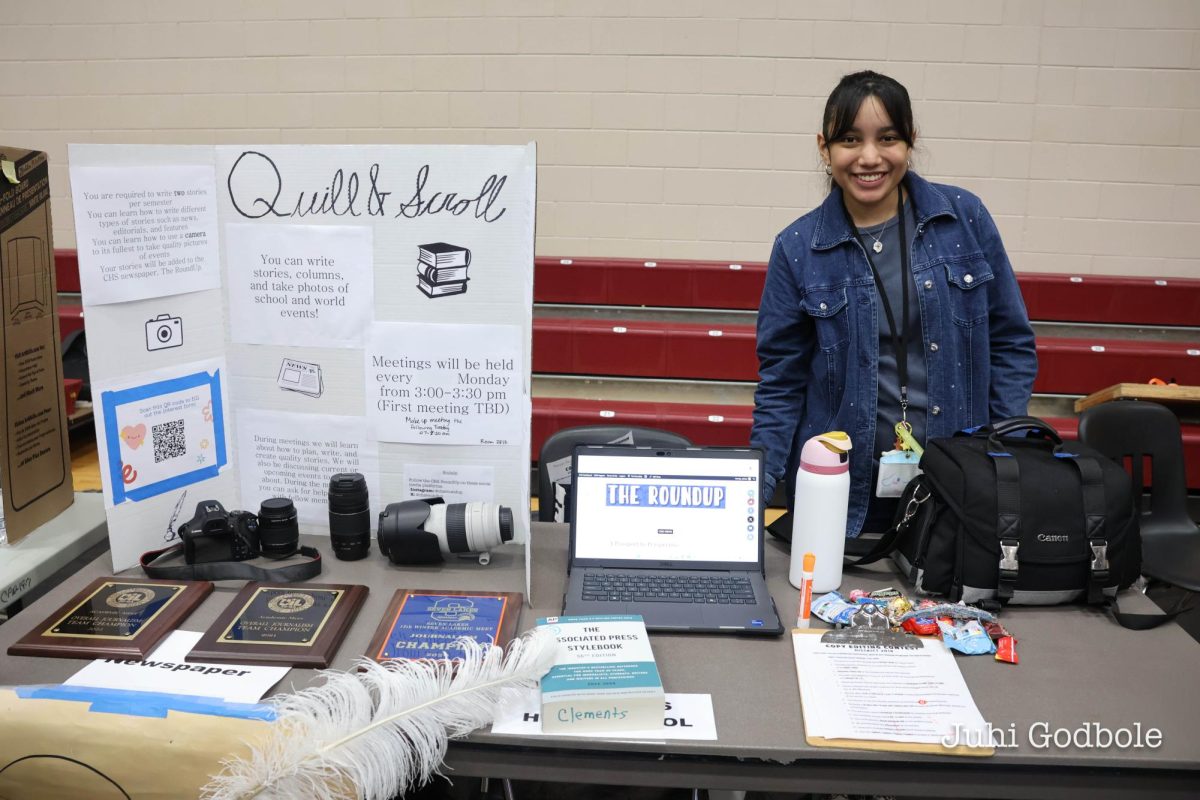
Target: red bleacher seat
point(70, 317)
point(66, 270)
point(1099, 299)
point(1111, 300)
point(705, 352)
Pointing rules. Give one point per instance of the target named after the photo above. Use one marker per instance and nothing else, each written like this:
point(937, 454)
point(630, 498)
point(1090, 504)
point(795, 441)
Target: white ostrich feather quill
point(375, 731)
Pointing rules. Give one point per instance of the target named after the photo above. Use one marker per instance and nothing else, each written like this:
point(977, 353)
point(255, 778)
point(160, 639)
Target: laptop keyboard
point(668, 588)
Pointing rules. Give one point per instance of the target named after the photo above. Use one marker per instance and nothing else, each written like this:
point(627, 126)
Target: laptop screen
point(681, 507)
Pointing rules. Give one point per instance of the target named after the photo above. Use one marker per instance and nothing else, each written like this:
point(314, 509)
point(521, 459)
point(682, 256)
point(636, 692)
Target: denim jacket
point(818, 340)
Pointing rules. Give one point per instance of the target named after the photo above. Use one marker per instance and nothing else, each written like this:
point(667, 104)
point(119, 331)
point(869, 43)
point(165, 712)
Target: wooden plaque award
point(113, 618)
point(425, 623)
point(301, 624)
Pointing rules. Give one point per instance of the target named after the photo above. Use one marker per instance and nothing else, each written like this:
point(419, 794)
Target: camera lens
point(278, 533)
point(475, 527)
point(349, 516)
point(403, 537)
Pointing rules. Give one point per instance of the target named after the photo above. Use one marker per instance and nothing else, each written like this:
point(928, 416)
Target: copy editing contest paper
point(446, 384)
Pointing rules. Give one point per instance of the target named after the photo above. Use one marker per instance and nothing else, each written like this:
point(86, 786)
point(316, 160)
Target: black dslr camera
point(215, 534)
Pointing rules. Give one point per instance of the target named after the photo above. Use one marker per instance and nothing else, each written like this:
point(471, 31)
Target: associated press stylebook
point(604, 677)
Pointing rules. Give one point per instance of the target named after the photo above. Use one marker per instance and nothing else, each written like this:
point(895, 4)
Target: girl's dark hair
point(842, 106)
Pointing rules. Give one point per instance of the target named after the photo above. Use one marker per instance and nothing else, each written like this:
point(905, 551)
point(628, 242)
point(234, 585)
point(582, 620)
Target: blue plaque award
point(426, 624)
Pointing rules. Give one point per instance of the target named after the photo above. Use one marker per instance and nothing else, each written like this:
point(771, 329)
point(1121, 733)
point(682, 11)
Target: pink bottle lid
point(826, 454)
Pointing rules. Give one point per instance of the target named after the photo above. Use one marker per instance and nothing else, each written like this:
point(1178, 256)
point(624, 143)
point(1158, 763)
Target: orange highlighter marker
point(804, 610)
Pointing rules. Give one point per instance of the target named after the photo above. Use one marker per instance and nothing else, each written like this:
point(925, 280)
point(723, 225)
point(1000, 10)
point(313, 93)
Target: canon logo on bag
point(1053, 537)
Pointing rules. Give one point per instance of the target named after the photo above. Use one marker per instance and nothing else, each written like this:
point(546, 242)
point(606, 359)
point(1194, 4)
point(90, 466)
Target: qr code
point(168, 440)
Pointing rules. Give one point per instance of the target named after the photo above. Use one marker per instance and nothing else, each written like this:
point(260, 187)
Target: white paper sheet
point(688, 716)
point(859, 691)
point(459, 483)
point(303, 285)
point(147, 231)
point(164, 670)
point(294, 455)
point(446, 384)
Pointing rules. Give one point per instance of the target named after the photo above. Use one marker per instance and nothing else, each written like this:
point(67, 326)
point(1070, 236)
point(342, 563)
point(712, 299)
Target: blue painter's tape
point(147, 704)
point(999, 455)
point(109, 402)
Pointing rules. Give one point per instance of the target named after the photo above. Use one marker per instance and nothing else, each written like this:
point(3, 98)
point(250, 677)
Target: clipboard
point(879, 745)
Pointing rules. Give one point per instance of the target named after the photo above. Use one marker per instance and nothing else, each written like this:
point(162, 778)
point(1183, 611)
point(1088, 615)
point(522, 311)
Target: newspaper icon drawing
point(300, 377)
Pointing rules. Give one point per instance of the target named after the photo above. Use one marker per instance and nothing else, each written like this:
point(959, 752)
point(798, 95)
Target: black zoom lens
point(278, 533)
point(349, 516)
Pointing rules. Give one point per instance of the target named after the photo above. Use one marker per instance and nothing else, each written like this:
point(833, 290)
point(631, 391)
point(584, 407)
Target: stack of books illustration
point(442, 269)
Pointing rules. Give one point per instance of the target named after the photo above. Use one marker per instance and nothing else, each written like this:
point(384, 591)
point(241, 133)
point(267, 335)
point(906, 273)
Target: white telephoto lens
point(481, 523)
point(436, 524)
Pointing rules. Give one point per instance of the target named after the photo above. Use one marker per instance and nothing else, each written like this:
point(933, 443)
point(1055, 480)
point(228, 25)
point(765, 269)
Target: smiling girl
point(893, 302)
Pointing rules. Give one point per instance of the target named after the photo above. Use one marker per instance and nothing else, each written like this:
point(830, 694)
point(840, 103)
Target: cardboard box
point(35, 453)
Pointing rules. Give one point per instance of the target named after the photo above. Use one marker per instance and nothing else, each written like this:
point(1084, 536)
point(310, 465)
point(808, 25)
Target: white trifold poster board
point(260, 318)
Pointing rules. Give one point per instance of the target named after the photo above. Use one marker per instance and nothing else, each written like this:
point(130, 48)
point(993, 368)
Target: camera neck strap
point(229, 570)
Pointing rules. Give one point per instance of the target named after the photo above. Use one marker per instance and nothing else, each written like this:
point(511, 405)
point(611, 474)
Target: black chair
point(1128, 431)
point(561, 444)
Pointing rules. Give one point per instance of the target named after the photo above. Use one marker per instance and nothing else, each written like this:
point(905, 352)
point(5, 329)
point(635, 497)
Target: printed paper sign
point(305, 285)
point(295, 455)
point(446, 384)
point(688, 716)
point(458, 483)
point(166, 672)
point(163, 434)
point(145, 231)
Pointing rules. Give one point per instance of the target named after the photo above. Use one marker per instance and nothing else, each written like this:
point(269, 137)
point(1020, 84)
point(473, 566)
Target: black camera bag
point(1026, 519)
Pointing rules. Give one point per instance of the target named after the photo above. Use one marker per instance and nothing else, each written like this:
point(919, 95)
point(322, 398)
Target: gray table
point(26, 563)
point(1077, 666)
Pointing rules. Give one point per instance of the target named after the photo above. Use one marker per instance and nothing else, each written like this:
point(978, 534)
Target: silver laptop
point(673, 535)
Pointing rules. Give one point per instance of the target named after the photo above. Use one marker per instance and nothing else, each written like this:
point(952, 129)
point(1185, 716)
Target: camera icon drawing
point(164, 331)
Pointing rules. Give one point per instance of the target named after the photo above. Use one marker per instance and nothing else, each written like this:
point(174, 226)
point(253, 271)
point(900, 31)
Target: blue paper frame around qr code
point(111, 401)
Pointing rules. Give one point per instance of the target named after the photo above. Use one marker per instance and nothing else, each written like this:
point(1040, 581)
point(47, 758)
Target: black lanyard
point(899, 335)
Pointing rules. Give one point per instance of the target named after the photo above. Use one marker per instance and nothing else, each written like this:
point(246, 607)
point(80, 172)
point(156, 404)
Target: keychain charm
point(905, 440)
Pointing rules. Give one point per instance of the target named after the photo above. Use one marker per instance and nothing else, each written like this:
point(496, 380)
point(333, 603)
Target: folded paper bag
point(68, 742)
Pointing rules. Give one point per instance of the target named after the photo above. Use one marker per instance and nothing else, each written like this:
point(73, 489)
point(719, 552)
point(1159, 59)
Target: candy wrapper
point(957, 611)
point(919, 621)
point(995, 630)
point(898, 607)
point(1006, 645)
point(833, 609)
point(968, 638)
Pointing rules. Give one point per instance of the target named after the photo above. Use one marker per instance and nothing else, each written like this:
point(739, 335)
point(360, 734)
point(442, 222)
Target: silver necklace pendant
point(877, 247)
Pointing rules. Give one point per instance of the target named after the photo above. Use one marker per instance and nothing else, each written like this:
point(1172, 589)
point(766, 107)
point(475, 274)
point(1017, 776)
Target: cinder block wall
point(665, 128)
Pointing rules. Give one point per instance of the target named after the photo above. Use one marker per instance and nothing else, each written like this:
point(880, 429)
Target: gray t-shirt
point(889, 265)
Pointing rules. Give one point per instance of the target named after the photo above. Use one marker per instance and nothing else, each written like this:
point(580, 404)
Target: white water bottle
point(819, 510)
